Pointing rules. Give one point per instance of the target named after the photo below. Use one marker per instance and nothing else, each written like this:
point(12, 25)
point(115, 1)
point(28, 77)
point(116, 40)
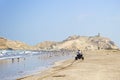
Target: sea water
point(16, 63)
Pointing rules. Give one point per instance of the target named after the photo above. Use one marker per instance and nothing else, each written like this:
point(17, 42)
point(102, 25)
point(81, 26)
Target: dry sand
point(98, 65)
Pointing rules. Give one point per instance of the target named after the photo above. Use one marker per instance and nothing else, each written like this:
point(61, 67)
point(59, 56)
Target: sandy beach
point(98, 65)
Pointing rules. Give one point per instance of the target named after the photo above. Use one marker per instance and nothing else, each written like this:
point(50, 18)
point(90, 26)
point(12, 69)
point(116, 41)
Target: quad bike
point(79, 56)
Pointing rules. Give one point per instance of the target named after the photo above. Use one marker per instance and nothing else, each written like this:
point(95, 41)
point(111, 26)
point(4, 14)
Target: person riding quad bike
point(79, 55)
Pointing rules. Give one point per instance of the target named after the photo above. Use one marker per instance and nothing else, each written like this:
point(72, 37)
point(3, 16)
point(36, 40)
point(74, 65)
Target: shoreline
point(98, 65)
point(33, 63)
point(46, 72)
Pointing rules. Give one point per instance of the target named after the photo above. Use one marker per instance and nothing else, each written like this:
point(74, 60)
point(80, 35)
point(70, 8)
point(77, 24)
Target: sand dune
point(98, 65)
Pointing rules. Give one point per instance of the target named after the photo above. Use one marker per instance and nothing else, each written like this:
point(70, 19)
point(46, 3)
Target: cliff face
point(72, 42)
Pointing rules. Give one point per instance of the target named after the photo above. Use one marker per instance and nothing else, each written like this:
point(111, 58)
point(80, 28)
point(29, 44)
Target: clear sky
point(34, 21)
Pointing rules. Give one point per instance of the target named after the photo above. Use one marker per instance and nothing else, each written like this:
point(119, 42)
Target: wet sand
point(98, 65)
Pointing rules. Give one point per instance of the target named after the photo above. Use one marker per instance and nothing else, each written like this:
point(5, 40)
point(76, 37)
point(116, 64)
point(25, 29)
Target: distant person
point(79, 55)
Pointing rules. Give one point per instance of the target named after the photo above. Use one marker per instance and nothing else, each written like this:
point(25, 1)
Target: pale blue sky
point(34, 21)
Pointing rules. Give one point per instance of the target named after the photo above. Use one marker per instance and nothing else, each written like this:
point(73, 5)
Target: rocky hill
point(71, 43)
point(46, 45)
point(16, 45)
point(81, 42)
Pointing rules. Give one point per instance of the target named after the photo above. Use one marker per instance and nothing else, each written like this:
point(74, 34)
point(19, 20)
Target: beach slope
point(98, 65)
